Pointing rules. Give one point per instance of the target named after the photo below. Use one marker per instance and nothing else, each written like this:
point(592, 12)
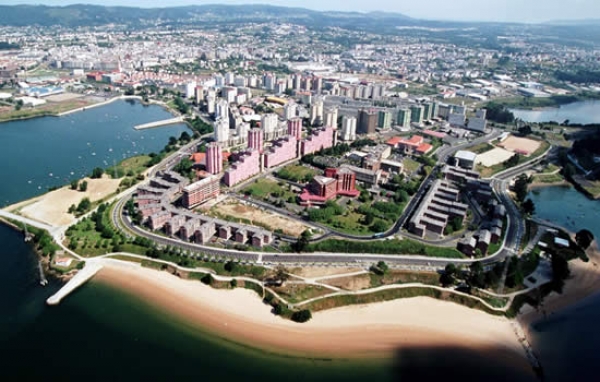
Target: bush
point(301, 316)
point(207, 279)
point(233, 283)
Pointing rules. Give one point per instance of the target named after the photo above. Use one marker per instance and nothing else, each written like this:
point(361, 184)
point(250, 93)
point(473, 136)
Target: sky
point(528, 11)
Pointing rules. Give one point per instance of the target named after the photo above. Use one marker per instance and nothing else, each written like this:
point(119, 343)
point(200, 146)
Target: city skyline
point(534, 11)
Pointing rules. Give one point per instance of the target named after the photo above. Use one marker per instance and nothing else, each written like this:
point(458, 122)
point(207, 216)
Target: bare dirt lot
point(274, 221)
point(52, 207)
point(493, 157)
point(519, 145)
point(63, 97)
point(314, 272)
point(351, 282)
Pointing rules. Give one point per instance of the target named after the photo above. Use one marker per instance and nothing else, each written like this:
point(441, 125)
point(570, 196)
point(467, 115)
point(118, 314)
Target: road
point(513, 236)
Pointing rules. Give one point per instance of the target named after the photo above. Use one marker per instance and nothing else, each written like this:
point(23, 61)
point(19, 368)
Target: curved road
point(513, 236)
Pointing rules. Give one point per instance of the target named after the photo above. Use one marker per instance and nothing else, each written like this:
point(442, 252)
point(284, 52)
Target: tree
point(74, 184)
point(185, 137)
point(521, 187)
point(233, 283)
point(525, 130)
point(97, 173)
point(172, 141)
point(207, 279)
point(584, 238)
point(83, 186)
point(281, 274)
point(19, 104)
point(379, 226)
point(230, 266)
point(302, 243)
point(477, 275)
point(447, 278)
point(528, 207)
point(302, 316)
point(84, 206)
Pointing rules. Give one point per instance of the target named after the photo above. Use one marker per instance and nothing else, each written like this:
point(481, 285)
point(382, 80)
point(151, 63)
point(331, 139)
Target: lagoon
point(584, 112)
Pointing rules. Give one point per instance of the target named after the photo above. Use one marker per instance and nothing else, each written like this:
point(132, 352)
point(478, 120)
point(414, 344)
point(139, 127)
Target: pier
point(164, 122)
point(43, 280)
point(79, 279)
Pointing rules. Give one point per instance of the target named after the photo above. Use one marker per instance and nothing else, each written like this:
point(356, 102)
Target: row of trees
point(75, 184)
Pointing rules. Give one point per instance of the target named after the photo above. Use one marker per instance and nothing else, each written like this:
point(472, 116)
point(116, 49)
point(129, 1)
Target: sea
point(104, 333)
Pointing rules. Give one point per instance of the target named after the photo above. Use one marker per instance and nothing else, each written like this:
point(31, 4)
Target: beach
point(52, 207)
point(372, 331)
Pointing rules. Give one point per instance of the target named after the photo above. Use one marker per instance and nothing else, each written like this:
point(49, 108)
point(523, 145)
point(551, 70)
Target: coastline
point(364, 332)
point(92, 106)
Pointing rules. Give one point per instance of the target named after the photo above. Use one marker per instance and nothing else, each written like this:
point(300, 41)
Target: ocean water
point(103, 333)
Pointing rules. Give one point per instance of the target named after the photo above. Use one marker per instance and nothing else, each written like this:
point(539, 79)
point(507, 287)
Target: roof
point(466, 155)
point(424, 148)
point(394, 141)
point(434, 133)
point(323, 180)
point(198, 158)
point(561, 242)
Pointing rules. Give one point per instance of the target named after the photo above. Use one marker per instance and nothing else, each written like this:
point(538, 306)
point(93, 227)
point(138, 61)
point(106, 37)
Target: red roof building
point(323, 188)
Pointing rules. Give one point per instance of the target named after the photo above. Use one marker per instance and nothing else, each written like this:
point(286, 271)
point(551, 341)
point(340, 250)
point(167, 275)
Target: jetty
point(79, 279)
point(164, 122)
point(43, 280)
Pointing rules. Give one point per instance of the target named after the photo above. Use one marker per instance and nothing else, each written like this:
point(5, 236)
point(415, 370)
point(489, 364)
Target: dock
point(79, 279)
point(43, 280)
point(164, 122)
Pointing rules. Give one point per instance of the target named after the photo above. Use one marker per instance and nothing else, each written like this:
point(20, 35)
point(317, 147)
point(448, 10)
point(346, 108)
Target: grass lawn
point(411, 165)
point(295, 293)
point(392, 247)
point(296, 173)
point(349, 224)
point(548, 178)
point(481, 148)
point(130, 166)
point(262, 188)
point(550, 168)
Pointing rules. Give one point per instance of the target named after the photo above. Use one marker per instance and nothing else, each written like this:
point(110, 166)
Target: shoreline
point(95, 105)
point(356, 332)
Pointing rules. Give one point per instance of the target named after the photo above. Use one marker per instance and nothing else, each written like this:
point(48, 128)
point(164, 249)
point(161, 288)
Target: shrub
point(301, 316)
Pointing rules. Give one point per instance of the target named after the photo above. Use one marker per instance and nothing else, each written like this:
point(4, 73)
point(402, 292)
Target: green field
point(411, 165)
point(296, 173)
point(262, 188)
point(481, 148)
point(390, 247)
point(129, 167)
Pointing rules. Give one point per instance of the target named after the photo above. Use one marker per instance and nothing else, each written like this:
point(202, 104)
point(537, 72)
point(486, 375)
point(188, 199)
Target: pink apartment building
point(295, 128)
point(255, 139)
point(214, 158)
point(283, 150)
point(247, 166)
point(320, 139)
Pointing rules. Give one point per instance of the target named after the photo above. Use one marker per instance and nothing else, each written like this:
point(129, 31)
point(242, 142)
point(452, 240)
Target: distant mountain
point(471, 34)
point(93, 15)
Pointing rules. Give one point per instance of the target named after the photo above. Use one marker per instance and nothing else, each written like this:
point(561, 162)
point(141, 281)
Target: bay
point(584, 112)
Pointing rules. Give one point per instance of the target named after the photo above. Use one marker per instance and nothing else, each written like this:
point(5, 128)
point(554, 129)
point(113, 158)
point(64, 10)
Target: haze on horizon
point(530, 11)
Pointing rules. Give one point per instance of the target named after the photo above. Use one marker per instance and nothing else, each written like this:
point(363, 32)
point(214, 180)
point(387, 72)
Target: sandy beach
point(52, 207)
point(375, 330)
